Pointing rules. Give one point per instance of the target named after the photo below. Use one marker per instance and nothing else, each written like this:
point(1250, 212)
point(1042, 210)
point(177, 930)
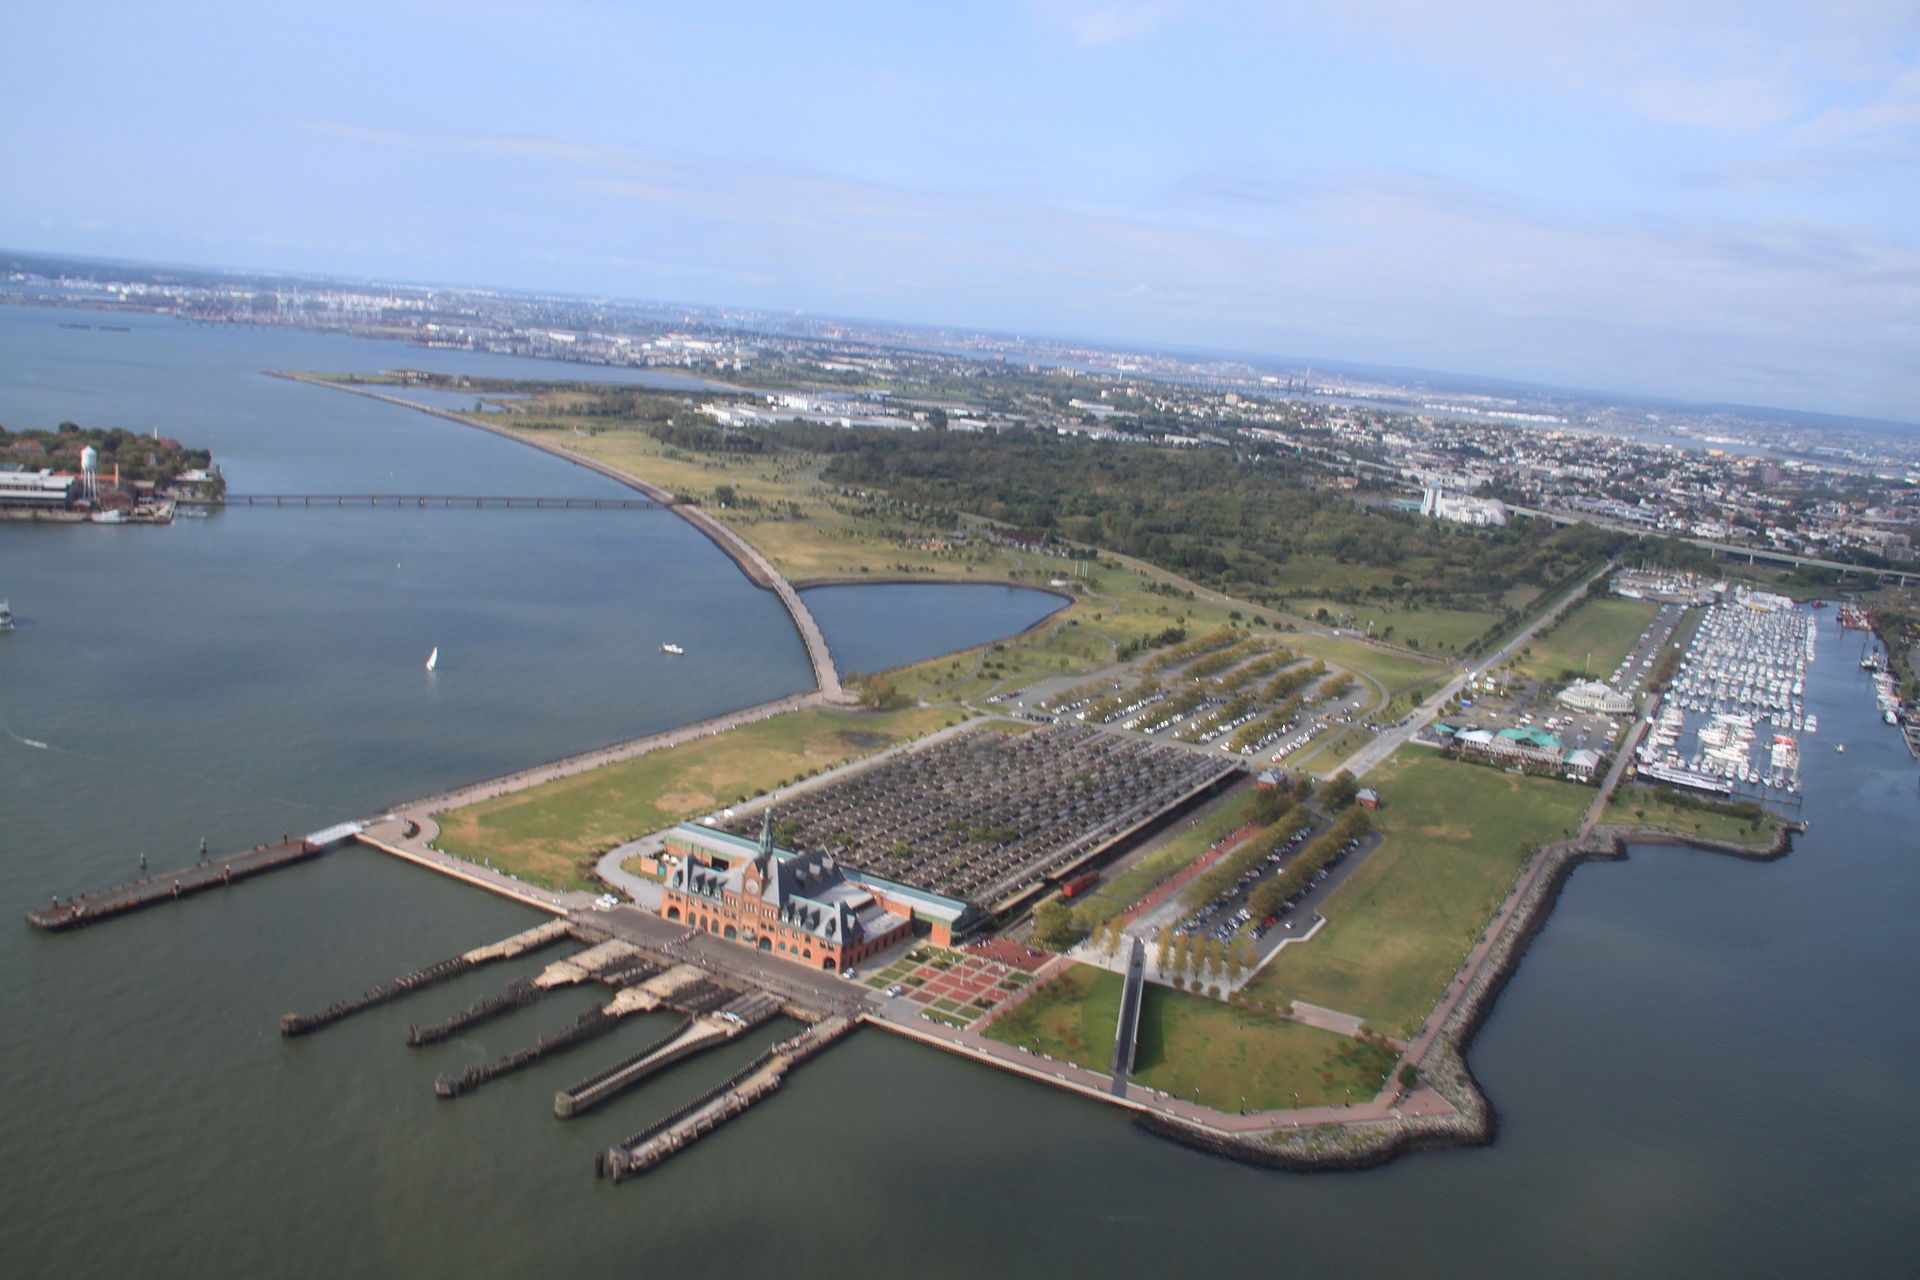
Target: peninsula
point(1308, 891)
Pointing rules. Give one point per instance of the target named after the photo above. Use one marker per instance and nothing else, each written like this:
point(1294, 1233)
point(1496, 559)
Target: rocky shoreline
point(1371, 1143)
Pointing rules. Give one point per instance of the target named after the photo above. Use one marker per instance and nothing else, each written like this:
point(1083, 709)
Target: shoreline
point(1446, 1108)
point(1367, 1142)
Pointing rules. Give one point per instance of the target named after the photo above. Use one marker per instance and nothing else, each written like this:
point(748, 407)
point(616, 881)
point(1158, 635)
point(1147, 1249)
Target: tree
point(1339, 790)
point(1166, 947)
point(1053, 926)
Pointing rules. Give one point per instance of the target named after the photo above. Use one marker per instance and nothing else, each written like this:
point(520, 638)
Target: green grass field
point(1593, 637)
point(1224, 1057)
point(1654, 807)
point(550, 834)
point(1396, 932)
point(1392, 669)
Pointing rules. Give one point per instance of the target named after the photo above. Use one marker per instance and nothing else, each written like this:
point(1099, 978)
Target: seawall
point(1473, 1121)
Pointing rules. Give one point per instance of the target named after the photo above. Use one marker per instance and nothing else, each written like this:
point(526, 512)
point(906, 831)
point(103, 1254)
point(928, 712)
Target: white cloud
point(1093, 23)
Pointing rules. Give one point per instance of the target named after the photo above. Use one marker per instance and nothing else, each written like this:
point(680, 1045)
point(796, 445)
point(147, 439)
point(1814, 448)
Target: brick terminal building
point(799, 906)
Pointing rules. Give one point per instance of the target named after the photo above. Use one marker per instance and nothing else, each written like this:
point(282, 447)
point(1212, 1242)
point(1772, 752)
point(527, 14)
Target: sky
point(1699, 199)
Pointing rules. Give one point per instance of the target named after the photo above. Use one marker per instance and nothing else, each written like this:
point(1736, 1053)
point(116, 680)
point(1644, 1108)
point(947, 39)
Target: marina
point(1732, 719)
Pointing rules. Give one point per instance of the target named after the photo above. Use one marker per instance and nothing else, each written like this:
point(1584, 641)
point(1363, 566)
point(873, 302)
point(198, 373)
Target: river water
point(1700, 1067)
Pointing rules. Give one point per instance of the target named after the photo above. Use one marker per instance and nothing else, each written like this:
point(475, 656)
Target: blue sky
point(1706, 199)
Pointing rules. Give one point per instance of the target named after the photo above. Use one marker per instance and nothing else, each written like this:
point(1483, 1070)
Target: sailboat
point(433, 659)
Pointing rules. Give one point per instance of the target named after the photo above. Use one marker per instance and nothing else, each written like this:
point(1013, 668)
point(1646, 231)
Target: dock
point(696, 1033)
point(676, 1132)
point(214, 873)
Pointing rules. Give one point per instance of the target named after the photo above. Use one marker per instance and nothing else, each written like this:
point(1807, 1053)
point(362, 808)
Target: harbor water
point(1699, 1067)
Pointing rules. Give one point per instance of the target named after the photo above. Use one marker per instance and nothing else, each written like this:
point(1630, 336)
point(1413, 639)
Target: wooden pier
point(674, 1133)
point(169, 885)
point(430, 500)
point(522, 943)
point(697, 1033)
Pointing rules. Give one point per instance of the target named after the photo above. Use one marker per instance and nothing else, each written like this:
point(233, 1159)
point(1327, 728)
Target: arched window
point(673, 913)
point(731, 932)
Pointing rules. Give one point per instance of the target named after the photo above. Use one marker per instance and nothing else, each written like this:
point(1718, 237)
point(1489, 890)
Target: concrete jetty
point(170, 885)
point(699, 1032)
point(522, 943)
point(676, 1132)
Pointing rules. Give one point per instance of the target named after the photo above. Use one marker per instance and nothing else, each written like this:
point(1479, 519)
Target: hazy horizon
point(1691, 201)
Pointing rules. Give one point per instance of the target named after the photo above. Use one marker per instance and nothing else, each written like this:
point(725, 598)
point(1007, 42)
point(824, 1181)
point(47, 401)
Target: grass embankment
point(1225, 1057)
point(1592, 637)
point(551, 834)
point(1656, 807)
point(1447, 631)
point(1396, 932)
point(1392, 669)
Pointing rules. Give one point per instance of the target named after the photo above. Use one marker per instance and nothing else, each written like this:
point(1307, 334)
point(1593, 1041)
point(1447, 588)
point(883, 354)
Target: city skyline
point(1686, 201)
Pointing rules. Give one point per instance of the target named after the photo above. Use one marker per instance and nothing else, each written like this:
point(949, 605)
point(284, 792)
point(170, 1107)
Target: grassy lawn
point(1235, 1059)
point(1602, 627)
point(1440, 630)
point(1654, 806)
point(1073, 1018)
point(1457, 834)
point(1192, 1047)
point(550, 835)
point(1393, 670)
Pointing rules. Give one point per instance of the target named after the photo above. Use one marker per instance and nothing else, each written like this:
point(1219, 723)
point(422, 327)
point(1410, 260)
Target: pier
point(1126, 1040)
point(676, 1132)
point(543, 935)
point(169, 885)
point(697, 1033)
point(431, 500)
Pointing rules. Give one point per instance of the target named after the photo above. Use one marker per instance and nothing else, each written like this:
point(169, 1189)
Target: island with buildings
point(106, 476)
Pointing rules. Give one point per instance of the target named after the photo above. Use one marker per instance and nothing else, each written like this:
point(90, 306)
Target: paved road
point(1391, 740)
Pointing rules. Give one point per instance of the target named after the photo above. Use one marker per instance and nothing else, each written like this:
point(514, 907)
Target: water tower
point(90, 472)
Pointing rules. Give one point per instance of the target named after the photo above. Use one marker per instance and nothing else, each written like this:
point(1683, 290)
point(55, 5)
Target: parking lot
point(1228, 918)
